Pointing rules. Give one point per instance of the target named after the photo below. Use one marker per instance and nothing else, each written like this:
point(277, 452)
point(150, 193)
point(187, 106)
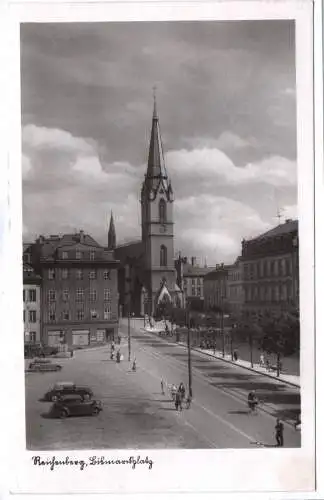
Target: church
point(147, 274)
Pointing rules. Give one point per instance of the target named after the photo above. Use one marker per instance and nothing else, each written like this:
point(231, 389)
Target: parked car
point(41, 360)
point(75, 405)
point(67, 388)
point(44, 367)
point(37, 350)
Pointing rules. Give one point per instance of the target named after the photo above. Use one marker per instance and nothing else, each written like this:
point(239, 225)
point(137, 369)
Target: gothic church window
point(162, 211)
point(163, 256)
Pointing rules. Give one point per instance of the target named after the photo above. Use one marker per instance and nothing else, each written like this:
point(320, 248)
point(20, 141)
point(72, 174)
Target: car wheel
point(63, 413)
point(54, 398)
point(95, 411)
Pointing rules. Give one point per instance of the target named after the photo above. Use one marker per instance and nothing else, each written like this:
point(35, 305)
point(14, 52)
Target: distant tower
point(157, 221)
point(111, 234)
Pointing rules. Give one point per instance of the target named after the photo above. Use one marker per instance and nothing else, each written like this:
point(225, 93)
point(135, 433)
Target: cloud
point(213, 166)
point(73, 185)
point(213, 226)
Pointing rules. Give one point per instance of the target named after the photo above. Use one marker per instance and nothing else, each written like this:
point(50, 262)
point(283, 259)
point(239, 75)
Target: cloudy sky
point(227, 107)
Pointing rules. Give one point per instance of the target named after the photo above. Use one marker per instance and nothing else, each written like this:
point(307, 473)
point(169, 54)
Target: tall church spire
point(111, 233)
point(156, 170)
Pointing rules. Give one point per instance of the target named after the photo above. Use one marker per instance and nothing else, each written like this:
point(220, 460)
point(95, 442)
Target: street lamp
point(129, 336)
point(189, 355)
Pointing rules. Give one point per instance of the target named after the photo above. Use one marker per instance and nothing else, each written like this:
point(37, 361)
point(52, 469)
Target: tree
point(280, 334)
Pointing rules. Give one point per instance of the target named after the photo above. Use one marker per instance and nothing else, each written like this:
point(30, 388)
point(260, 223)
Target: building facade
point(235, 288)
point(271, 270)
point(79, 300)
point(31, 305)
point(190, 278)
point(216, 292)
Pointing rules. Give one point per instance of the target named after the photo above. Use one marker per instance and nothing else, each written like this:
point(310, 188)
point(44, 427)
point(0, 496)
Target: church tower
point(111, 234)
point(157, 223)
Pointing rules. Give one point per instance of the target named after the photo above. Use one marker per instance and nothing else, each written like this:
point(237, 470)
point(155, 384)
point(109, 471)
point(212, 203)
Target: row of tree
point(274, 332)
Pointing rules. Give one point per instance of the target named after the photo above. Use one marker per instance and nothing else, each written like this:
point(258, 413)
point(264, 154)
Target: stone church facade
point(147, 274)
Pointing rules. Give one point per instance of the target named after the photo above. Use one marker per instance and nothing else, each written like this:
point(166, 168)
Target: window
point(51, 274)
point(163, 256)
point(94, 314)
point(32, 316)
point(100, 335)
point(24, 295)
point(162, 211)
point(107, 294)
point(80, 314)
point(32, 295)
point(78, 255)
point(32, 337)
point(66, 315)
point(106, 275)
point(107, 312)
point(65, 255)
point(79, 274)
point(92, 275)
point(51, 295)
point(92, 255)
point(199, 291)
point(64, 274)
point(79, 295)
point(51, 315)
point(65, 295)
point(93, 295)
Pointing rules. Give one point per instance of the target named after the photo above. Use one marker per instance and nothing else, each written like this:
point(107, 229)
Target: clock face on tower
point(163, 228)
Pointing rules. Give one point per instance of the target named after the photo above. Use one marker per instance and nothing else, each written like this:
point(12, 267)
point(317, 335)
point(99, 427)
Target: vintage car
point(67, 388)
point(35, 366)
point(69, 406)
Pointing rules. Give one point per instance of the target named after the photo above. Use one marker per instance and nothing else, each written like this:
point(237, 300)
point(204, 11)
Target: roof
point(189, 270)
point(51, 243)
point(290, 226)
point(217, 273)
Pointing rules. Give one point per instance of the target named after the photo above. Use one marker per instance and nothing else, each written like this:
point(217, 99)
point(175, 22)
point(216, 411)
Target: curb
point(266, 407)
point(233, 363)
point(245, 367)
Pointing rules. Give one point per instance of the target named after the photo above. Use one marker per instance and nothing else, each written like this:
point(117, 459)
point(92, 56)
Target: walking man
point(162, 387)
point(279, 432)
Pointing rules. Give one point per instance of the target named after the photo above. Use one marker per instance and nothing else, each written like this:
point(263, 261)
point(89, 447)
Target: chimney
point(288, 220)
point(81, 236)
point(193, 261)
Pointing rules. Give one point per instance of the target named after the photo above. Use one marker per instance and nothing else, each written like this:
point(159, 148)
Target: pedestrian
point(261, 362)
point(279, 428)
point(162, 387)
point(267, 365)
point(235, 355)
point(134, 365)
point(182, 391)
point(178, 401)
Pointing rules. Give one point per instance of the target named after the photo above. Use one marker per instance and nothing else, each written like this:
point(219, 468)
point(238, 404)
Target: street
point(137, 416)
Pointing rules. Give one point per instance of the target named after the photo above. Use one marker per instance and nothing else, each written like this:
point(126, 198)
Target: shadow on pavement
point(239, 412)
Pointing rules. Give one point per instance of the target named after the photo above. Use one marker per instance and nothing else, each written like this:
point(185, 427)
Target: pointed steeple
point(156, 170)
point(111, 233)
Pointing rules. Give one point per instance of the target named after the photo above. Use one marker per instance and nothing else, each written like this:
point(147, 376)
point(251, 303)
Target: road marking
point(205, 379)
point(225, 422)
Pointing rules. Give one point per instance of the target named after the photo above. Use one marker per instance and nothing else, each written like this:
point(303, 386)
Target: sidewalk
point(293, 380)
point(287, 379)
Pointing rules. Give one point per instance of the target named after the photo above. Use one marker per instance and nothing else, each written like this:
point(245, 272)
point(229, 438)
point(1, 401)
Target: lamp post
point(128, 329)
point(189, 355)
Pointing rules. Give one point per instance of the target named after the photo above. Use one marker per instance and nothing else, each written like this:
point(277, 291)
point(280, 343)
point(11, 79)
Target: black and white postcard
point(161, 328)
